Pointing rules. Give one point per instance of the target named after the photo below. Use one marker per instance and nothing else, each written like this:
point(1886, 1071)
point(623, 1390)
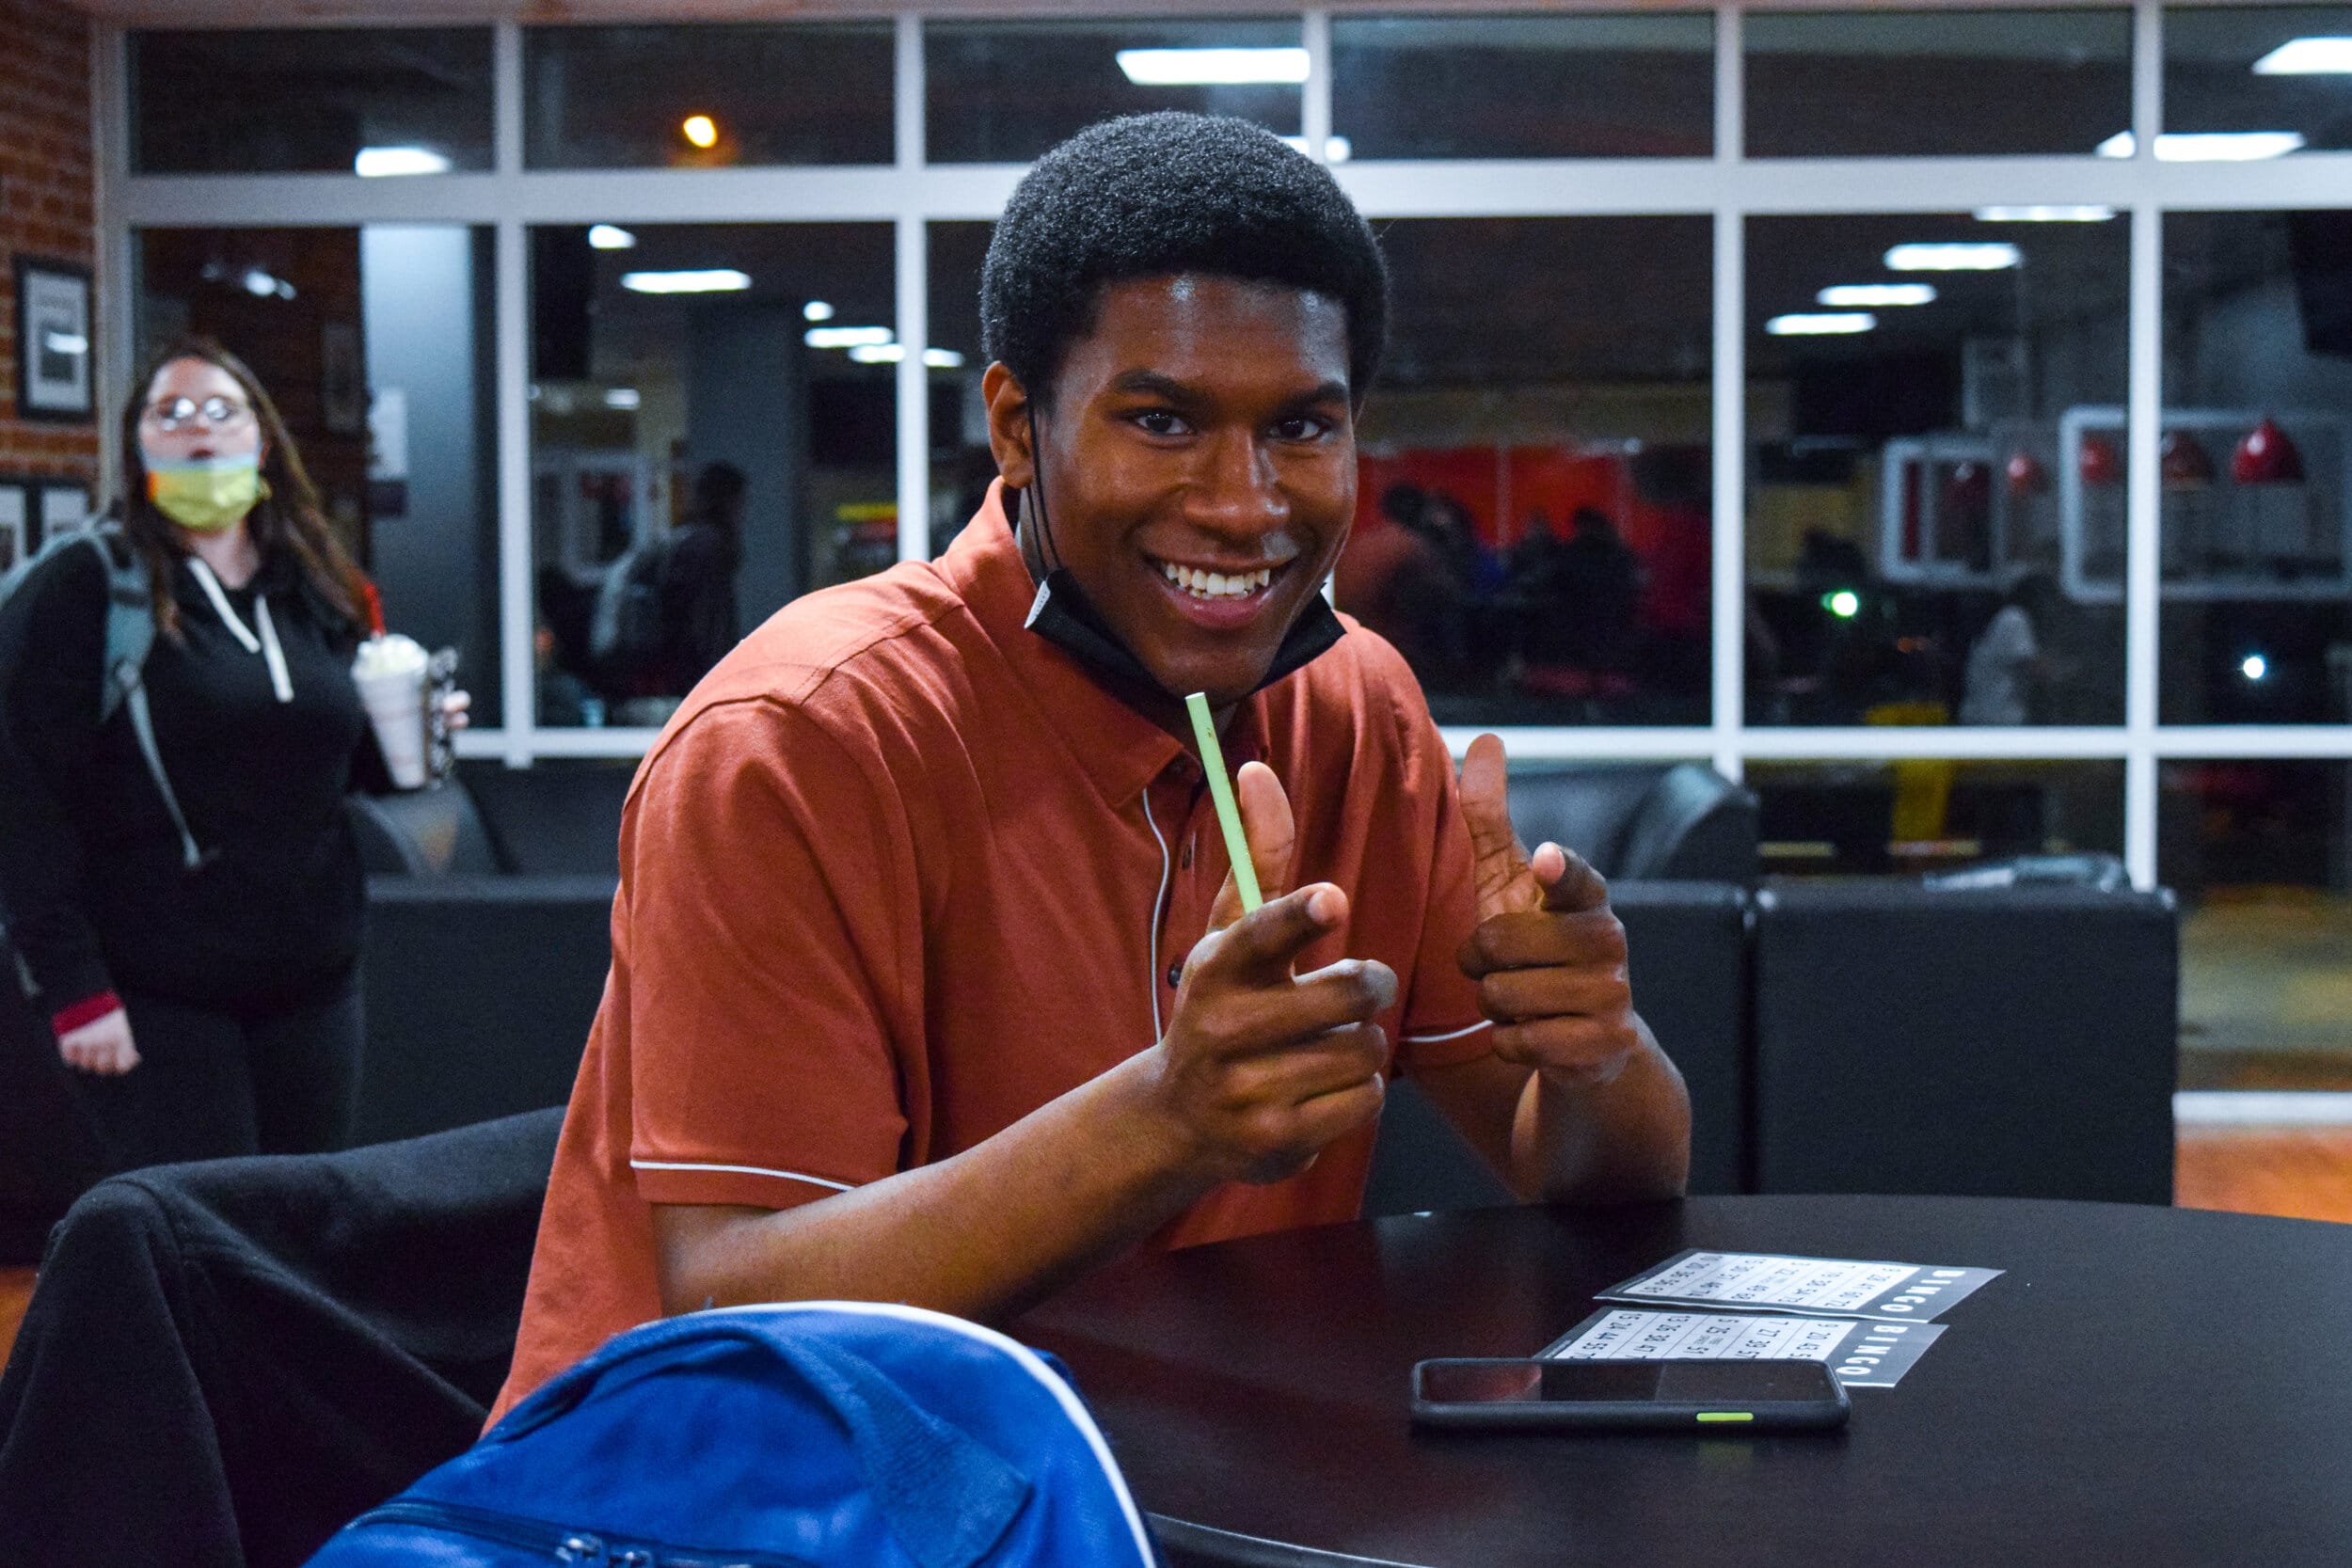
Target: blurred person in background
point(181, 880)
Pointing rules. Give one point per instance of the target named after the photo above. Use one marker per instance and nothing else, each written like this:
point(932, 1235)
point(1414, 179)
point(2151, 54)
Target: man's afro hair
point(1152, 195)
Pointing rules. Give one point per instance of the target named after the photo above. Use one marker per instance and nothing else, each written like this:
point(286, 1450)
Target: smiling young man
point(929, 980)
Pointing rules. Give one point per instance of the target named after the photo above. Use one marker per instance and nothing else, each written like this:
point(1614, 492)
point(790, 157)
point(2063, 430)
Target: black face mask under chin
point(1063, 615)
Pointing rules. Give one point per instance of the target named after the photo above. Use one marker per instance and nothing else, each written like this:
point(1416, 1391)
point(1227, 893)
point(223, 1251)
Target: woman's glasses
point(172, 415)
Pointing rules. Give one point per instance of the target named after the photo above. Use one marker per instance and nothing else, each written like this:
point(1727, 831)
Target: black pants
point(213, 1082)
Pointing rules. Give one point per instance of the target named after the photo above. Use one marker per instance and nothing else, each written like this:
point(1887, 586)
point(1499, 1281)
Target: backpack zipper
point(556, 1543)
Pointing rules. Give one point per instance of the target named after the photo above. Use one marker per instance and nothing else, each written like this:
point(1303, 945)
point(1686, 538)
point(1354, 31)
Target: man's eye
point(1300, 427)
point(1159, 422)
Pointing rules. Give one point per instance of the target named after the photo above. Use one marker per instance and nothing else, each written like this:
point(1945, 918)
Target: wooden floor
point(16, 1288)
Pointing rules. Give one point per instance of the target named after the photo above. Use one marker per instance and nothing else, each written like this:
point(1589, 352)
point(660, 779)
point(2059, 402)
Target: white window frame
point(910, 194)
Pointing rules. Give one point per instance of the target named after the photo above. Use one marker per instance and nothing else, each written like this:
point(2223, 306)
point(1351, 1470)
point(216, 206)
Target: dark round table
point(2143, 1387)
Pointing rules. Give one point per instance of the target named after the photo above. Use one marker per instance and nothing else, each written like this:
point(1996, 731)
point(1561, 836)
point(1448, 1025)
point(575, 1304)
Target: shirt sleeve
point(772, 963)
point(52, 646)
point(1442, 1025)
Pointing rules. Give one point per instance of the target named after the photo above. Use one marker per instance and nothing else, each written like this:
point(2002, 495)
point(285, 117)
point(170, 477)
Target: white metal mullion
point(1726, 632)
point(912, 381)
point(2143, 558)
point(1314, 103)
point(519, 695)
point(114, 267)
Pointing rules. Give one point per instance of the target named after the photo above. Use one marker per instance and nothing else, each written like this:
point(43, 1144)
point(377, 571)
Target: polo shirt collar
point(1122, 749)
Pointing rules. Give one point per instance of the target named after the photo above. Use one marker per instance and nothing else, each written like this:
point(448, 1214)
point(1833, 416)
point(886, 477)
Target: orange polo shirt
point(900, 872)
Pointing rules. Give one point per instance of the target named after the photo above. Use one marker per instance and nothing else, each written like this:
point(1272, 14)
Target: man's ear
point(1008, 426)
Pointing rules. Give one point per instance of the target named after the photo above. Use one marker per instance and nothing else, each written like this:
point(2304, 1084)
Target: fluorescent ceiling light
point(68, 342)
point(817, 310)
point(1828, 324)
point(621, 397)
point(1998, 256)
point(376, 163)
point(878, 354)
point(2044, 214)
point(1846, 296)
point(1213, 68)
point(261, 285)
point(710, 280)
point(2307, 58)
point(942, 358)
point(847, 337)
point(604, 236)
point(1336, 150)
point(2208, 147)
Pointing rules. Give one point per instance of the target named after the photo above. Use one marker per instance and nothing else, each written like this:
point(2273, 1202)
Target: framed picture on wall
point(63, 507)
point(17, 539)
point(53, 336)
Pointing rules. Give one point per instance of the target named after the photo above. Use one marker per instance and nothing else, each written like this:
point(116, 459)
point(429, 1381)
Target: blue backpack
point(803, 1434)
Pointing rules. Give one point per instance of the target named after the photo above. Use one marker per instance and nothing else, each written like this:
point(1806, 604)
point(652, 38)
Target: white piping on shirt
point(1158, 904)
point(1450, 1035)
point(740, 1170)
point(266, 645)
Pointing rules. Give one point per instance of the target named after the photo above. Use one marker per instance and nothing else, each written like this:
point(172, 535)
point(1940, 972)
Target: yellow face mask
point(209, 496)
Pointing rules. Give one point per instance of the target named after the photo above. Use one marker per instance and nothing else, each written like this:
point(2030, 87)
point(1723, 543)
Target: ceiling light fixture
point(1213, 68)
point(621, 397)
point(878, 354)
point(942, 358)
point(701, 130)
point(708, 280)
point(604, 236)
point(1826, 324)
point(1998, 256)
point(2086, 214)
point(378, 163)
point(2208, 147)
point(1848, 296)
point(817, 310)
point(847, 337)
point(2320, 56)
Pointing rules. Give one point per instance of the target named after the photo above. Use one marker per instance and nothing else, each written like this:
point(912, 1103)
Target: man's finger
point(1570, 884)
point(1487, 803)
point(1538, 939)
point(1273, 834)
point(1265, 944)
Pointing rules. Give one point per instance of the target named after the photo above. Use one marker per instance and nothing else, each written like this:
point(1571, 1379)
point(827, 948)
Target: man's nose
point(1237, 490)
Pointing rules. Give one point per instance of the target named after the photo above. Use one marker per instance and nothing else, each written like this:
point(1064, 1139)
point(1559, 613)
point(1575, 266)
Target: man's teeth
point(1216, 585)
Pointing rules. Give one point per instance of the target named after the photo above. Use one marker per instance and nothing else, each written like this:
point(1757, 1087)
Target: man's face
point(1199, 468)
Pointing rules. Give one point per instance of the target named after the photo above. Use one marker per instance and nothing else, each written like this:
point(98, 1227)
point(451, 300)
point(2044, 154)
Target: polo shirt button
point(1175, 975)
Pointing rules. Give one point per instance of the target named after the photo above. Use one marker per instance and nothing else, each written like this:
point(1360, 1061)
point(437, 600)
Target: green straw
point(1221, 791)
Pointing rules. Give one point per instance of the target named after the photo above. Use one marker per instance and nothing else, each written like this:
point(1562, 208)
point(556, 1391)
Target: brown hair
point(287, 518)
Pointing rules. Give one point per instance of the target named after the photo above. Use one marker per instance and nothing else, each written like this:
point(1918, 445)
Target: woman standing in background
point(189, 900)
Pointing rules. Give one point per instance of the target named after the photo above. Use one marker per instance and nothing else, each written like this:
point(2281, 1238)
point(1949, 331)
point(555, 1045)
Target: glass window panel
point(1532, 509)
point(1005, 92)
point(707, 97)
point(2257, 575)
point(1925, 815)
point(2261, 855)
point(696, 460)
point(2257, 81)
point(392, 101)
point(1936, 500)
point(1846, 85)
point(376, 343)
point(1550, 87)
point(962, 463)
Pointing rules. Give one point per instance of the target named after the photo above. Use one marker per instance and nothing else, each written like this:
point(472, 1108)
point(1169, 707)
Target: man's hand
point(103, 1046)
point(1260, 1069)
point(1548, 955)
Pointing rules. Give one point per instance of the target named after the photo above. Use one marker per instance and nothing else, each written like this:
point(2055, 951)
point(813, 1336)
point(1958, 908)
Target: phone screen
point(1730, 1383)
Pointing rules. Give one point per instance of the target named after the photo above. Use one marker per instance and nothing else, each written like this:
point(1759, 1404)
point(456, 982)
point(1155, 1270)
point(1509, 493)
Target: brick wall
point(46, 204)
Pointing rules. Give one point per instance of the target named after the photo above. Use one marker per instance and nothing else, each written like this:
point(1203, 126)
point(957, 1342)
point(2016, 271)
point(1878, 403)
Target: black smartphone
point(1723, 1396)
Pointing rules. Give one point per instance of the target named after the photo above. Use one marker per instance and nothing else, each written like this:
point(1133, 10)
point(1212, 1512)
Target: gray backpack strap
point(144, 727)
point(130, 636)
